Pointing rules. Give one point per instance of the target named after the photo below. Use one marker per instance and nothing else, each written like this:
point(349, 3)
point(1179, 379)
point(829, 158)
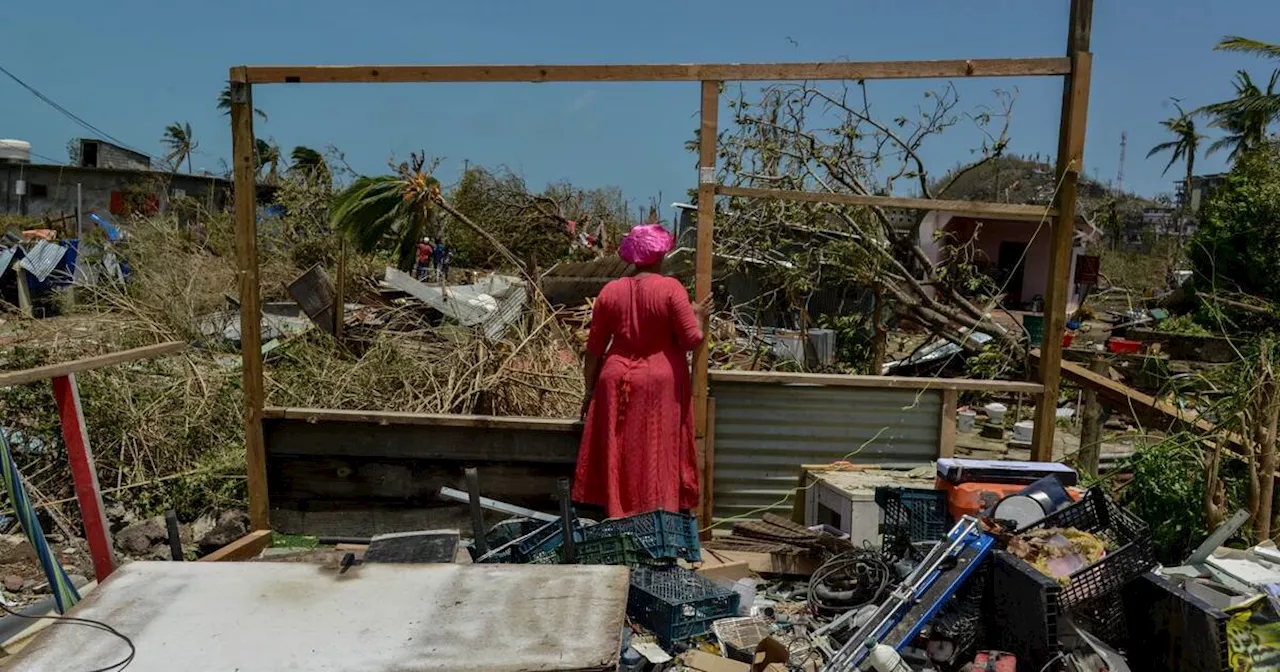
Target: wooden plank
point(84, 475)
point(89, 363)
point(245, 548)
point(675, 72)
point(947, 429)
point(900, 382)
point(972, 208)
point(419, 442)
point(1148, 409)
point(242, 142)
point(708, 132)
point(513, 423)
point(1071, 134)
point(708, 468)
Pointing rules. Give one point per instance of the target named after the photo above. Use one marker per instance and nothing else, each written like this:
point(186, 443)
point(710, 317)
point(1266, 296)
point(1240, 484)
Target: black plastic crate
point(677, 604)
point(660, 534)
point(1022, 612)
point(1128, 546)
point(912, 515)
point(1105, 619)
point(1173, 630)
point(545, 539)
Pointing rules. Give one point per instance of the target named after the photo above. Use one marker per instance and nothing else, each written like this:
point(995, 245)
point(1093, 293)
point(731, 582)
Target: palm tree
point(308, 162)
point(267, 154)
point(1246, 117)
point(181, 143)
point(1248, 46)
point(401, 209)
point(224, 103)
point(1185, 146)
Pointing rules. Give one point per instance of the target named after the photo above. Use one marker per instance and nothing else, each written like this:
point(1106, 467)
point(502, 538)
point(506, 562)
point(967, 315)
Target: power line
point(67, 113)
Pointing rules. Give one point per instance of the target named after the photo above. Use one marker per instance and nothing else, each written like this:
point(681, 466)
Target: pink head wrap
point(645, 245)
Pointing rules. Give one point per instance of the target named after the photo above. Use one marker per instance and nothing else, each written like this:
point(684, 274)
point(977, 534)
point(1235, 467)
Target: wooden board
point(899, 382)
point(677, 72)
point(971, 208)
point(244, 548)
point(271, 616)
point(89, 363)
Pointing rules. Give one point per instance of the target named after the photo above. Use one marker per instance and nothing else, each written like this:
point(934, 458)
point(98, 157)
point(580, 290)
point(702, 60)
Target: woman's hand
point(586, 406)
point(702, 309)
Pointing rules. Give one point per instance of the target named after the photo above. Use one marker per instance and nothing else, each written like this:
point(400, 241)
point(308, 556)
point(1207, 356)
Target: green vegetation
point(1237, 247)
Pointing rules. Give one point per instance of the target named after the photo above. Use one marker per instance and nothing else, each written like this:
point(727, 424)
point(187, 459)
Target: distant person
point(446, 260)
point(424, 258)
point(437, 255)
point(637, 452)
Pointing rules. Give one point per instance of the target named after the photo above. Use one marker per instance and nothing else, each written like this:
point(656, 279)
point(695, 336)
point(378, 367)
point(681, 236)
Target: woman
point(637, 450)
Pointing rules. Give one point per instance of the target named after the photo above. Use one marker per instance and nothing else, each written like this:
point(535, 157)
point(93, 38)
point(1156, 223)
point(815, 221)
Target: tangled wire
point(849, 581)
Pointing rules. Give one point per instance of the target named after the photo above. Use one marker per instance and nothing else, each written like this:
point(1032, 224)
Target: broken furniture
point(845, 498)
point(265, 617)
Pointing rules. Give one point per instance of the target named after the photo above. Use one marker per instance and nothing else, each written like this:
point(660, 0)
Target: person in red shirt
point(637, 452)
point(424, 258)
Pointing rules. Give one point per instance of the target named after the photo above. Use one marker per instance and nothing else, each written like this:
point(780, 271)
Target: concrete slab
point(267, 616)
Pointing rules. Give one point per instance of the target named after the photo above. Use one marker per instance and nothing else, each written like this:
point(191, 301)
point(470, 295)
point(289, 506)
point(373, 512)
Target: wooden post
point(1091, 423)
point(947, 430)
point(709, 470)
point(242, 145)
point(1071, 132)
point(707, 134)
point(84, 475)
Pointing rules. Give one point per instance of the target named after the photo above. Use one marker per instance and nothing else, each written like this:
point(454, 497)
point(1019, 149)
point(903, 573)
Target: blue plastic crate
point(912, 515)
point(663, 535)
point(677, 604)
point(545, 539)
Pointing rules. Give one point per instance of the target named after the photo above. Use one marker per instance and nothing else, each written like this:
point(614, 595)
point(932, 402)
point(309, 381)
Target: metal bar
point(566, 518)
point(477, 512)
point(1218, 538)
point(175, 537)
point(456, 495)
point(84, 475)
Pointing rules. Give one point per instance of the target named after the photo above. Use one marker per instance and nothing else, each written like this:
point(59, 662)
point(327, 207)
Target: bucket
point(1022, 431)
point(995, 412)
point(965, 420)
point(1034, 324)
point(1124, 346)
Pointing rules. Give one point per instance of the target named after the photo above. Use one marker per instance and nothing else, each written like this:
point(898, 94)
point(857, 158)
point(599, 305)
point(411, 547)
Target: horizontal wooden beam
point(1141, 405)
point(675, 72)
point(314, 415)
point(897, 382)
point(972, 208)
point(89, 363)
point(247, 547)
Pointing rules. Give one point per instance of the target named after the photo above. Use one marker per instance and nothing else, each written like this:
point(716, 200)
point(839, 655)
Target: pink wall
point(989, 236)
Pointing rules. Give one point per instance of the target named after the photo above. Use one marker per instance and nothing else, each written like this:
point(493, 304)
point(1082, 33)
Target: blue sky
point(131, 66)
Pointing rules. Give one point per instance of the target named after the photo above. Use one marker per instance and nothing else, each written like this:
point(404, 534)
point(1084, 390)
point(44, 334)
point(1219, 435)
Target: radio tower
point(1124, 140)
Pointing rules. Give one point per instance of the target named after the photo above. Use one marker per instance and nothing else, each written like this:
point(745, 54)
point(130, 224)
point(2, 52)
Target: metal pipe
point(477, 512)
point(461, 497)
point(566, 515)
point(175, 538)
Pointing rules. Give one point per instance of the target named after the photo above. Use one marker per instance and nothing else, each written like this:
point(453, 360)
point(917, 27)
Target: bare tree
point(822, 138)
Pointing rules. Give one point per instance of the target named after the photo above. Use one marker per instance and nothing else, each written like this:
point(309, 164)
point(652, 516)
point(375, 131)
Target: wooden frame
point(1074, 67)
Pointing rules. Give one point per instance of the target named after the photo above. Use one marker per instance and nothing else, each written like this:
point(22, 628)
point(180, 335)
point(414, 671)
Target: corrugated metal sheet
point(6, 258)
point(763, 432)
point(43, 258)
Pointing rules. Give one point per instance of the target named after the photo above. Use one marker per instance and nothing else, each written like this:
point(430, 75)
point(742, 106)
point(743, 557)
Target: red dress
point(637, 450)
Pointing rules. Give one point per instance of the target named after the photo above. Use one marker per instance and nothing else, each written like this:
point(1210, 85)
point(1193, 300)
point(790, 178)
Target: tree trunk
point(880, 336)
point(1091, 424)
point(1215, 505)
point(1269, 404)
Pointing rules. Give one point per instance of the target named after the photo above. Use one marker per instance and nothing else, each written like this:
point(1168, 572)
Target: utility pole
point(1124, 141)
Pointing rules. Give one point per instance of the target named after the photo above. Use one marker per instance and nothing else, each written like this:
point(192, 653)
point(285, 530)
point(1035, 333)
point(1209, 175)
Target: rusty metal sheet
point(275, 617)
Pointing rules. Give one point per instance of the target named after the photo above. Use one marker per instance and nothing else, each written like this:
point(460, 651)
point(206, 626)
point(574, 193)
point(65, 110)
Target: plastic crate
point(1022, 610)
point(676, 604)
point(660, 534)
point(547, 538)
point(617, 550)
point(1128, 546)
point(912, 515)
point(1175, 630)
